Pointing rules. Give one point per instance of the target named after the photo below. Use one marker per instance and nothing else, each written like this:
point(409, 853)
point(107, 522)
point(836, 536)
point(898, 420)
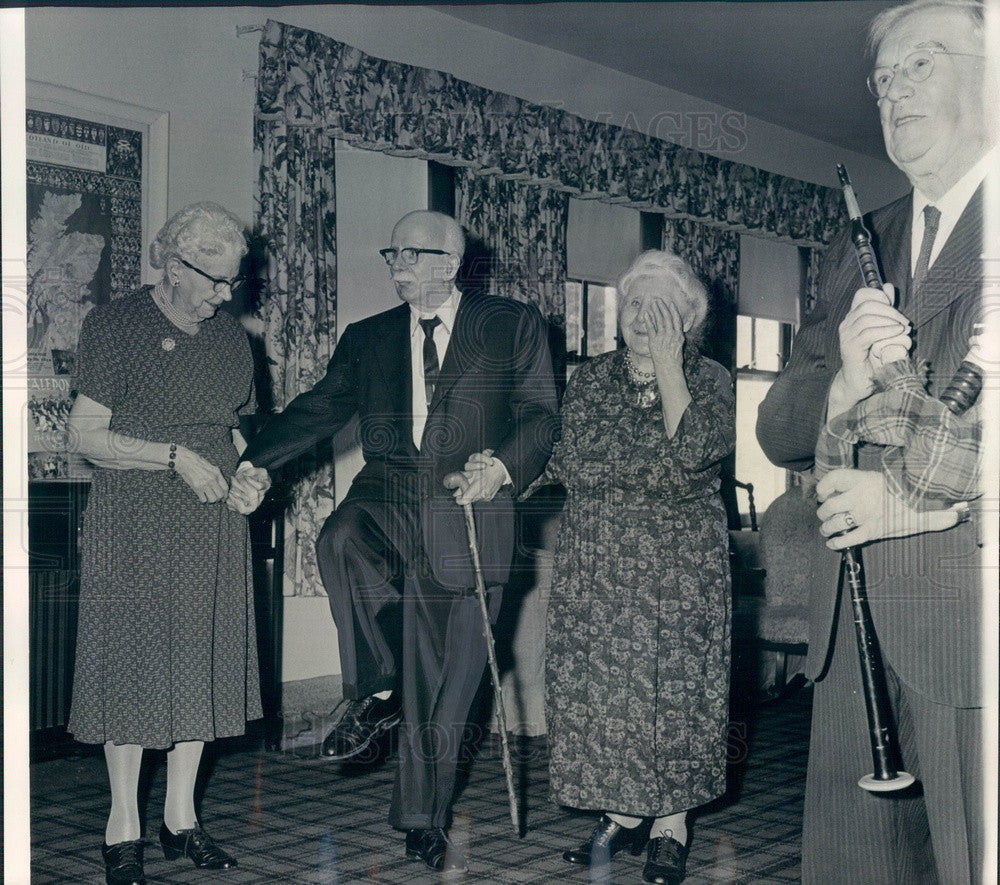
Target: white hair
point(665, 265)
point(196, 230)
point(974, 10)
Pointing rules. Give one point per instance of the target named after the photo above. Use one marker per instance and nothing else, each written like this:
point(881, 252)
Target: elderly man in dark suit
point(923, 573)
point(433, 381)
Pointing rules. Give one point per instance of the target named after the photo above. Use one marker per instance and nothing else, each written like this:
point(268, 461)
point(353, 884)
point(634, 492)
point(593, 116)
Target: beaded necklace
point(642, 383)
point(172, 313)
point(636, 373)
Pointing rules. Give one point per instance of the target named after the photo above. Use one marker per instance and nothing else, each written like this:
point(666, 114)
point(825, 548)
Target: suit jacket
point(495, 390)
point(926, 590)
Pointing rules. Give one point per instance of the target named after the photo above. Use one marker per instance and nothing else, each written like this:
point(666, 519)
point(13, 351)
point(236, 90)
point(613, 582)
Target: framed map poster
point(96, 188)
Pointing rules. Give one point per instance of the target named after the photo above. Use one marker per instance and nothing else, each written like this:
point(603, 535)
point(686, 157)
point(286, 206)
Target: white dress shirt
point(442, 335)
point(951, 206)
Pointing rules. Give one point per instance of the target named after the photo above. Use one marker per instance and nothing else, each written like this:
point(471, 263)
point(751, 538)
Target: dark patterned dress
point(637, 654)
point(166, 645)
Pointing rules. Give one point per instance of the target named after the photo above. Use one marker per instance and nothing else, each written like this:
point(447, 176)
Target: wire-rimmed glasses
point(917, 66)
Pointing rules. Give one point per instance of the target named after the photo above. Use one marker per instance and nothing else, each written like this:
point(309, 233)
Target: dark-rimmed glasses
point(218, 284)
point(917, 66)
point(408, 255)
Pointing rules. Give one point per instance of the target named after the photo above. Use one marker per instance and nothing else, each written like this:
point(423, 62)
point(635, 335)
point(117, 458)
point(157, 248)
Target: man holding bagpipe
point(922, 556)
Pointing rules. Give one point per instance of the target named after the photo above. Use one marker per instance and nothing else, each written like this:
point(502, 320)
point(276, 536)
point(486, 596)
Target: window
point(761, 350)
point(602, 239)
point(591, 320)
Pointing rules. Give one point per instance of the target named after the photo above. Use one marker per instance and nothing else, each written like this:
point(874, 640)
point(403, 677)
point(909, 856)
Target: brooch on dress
point(168, 344)
point(645, 397)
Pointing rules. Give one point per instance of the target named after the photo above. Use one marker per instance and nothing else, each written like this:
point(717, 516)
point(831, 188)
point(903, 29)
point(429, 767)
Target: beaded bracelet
point(172, 457)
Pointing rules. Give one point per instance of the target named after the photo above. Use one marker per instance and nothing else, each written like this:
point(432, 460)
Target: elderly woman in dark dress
point(166, 652)
point(637, 657)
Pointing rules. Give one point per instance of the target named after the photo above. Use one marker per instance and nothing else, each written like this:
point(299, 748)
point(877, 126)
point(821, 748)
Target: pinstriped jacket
point(925, 590)
point(495, 391)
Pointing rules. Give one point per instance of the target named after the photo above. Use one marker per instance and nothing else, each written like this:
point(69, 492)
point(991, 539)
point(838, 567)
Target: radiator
point(53, 610)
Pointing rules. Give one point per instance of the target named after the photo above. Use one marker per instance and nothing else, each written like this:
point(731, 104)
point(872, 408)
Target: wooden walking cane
point(454, 481)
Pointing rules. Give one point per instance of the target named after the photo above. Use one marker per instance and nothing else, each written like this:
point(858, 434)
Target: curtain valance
point(307, 79)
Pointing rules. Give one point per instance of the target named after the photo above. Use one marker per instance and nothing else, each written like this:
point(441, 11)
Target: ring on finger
point(849, 520)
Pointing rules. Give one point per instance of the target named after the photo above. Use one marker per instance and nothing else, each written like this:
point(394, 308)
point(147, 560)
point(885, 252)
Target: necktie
point(932, 218)
point(431, 365)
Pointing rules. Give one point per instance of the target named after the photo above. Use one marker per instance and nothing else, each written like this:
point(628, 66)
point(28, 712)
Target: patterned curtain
point(522, 160)
point(714, 255)
point(310, 80)
point(297, 225)
point(523, 230)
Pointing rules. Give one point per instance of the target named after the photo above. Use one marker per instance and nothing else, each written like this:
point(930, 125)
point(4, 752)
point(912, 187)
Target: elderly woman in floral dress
point(166, 652)
point(637, 658)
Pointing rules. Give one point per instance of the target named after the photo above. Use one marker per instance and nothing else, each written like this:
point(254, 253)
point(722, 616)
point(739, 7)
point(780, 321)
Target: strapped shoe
point(665, 861)
point(362, 723)
point(606, 841)
point(123, 863)
point(434, 848)
point(197, 845)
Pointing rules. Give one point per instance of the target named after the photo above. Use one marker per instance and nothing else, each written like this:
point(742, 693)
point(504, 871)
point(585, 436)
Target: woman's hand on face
point(203, 477)
point(666, 332)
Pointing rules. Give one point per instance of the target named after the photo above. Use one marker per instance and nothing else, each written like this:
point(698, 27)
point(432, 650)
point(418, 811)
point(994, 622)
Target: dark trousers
point(398, 628)
point(928, 833)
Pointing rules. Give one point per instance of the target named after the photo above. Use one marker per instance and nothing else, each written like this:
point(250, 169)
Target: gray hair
point(674, 269)
point(198, 229)
point(886, 20)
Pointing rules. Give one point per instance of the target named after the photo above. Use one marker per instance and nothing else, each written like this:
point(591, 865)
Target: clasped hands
point(243, 494)
point(248, 487)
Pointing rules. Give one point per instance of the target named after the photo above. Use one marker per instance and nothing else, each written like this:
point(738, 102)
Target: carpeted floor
point(290, 817)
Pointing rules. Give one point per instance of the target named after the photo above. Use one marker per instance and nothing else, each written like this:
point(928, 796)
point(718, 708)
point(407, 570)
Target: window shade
point(770, 279)
point(601, 240)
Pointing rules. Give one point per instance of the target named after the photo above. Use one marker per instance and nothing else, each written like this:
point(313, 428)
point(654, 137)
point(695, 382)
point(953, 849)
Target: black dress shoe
point(413, 838)
point(433, 848)
point(123, 863)
point(607, 840)
point(196, 844)
point(665, 861)
point(362, 723)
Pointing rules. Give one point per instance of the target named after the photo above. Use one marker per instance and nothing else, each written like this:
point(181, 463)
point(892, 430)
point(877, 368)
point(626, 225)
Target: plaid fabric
point(931, 457)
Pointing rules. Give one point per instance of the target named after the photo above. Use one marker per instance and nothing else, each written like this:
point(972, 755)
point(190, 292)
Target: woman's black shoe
point(665, 861)
point(196, 844)
point(607, 840)
point(123, 863)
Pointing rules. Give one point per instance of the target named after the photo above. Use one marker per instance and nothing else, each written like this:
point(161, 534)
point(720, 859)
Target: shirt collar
point(445, 312)
point(953, 203)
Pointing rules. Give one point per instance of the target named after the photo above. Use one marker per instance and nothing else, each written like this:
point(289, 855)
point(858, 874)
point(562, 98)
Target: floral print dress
point(637, 655)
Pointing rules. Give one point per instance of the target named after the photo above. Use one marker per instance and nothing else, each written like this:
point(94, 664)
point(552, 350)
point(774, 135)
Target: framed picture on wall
point(96, 189)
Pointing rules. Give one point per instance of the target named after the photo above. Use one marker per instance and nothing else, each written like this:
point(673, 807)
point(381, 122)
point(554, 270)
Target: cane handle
point(456, 480)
